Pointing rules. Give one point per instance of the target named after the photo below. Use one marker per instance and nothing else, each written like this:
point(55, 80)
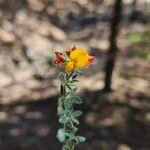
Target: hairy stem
point(65, 126)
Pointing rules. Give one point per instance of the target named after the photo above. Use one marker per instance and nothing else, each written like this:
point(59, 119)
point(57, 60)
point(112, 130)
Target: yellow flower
point(69, 66)
point(78, 59)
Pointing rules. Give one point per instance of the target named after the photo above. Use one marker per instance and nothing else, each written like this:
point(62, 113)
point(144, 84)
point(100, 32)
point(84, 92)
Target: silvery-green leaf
point(67, 103)
point(75, 120)
point(76, 100)
point(68, 112)
point(67, 75)
point(68, 134)
point(61, 135)
point(61, 77)
point(59, 102)
point(75, 129)
point(75, 80)
point(76, 114)
point(69, 87)
point(74, 90)
point(60, 111)
point(80, 138)
point(76, 141)
point(67, 145)
point(68, 98)
point(74, 76)
point(79, 71)
point(64, 119)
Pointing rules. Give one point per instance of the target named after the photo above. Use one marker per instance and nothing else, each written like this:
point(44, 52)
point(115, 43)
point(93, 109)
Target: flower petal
point(91, 59)
point(69, 66)
point(81, 61)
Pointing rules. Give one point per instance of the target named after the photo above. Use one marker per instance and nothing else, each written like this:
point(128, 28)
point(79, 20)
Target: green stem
point(65, 127)
point(70, 75)
point(64, 86)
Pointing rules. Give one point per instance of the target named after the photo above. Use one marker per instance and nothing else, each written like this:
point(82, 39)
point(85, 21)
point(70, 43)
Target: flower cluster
point(74, 58)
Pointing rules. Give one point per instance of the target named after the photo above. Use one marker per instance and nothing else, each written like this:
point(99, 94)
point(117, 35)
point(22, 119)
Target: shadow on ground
point(107, 124)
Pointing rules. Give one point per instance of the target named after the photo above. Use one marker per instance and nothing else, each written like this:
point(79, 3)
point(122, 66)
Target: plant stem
point(70, 75)
point(65, 126)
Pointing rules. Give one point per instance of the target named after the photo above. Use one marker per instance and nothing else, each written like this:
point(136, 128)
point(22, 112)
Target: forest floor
point(28, 79)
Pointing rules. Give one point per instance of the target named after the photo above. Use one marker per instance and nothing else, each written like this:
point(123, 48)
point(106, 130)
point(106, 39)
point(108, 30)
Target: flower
point(69, 66)
point(70, 50)
point(59, 60)
point(79, 59)
point(74, 58)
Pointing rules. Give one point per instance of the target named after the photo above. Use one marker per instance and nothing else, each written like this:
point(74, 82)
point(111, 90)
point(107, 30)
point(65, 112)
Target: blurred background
point(115, 90)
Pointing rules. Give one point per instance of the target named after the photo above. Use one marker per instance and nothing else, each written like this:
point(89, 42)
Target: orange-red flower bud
point(91, 59)
point(59, 59)
point(70, 50)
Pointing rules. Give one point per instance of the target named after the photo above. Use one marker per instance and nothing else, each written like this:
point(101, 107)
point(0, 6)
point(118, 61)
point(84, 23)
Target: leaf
point(75, 120)
point(74, 76)
point(68, 112)
point(61, 135)
point(67, 75)
point(72, 84)
point(66, 146)
point(80, 138)
point(60, 102)
point(75, 80)
point(79, 71)
point(60, 111)
point(69, 87)
point(76, 114)
point(76, 100)
point(67, 103)
point(73, 99)
point(68, 134)
point(73, 90)
point(73, 127)
point(64, 119)
point(61, 77)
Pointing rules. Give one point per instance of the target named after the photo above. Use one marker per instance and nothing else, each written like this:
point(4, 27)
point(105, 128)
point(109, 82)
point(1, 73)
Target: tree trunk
point(112, 52)
point(134, 5)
